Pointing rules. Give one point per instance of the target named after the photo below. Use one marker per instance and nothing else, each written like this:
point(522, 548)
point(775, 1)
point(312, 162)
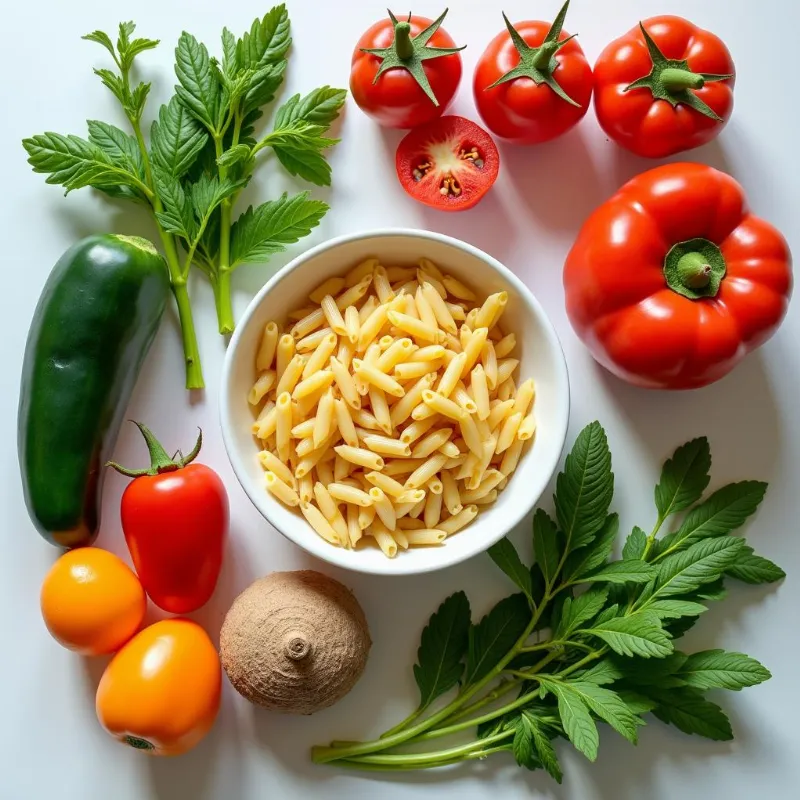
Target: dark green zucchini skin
point(94, 323)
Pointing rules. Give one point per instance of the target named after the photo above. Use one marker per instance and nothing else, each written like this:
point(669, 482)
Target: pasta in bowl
point(394, 394)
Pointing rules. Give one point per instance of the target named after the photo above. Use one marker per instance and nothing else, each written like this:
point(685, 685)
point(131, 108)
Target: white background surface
point(50, 743)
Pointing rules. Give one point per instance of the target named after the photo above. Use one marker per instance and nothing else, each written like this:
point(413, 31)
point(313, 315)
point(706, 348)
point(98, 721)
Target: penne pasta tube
point(291, 375)
point(527, 428)
point(284, 354)
point(272, 463)
point(434, 485)
point(417, 510)
point(474, 347)
point(324, 470)
point(413, 396)
point(431, 443)
point(508, 433)
point(387, 484)
point(370, 304)
point(386, 446)
point(499, 413)
point(491, 310)
point(505, 346)
point(505, 369)
point(361, 271)
point(417, 429)
point(319, 357)
point(433, 510)
point(423, 473)
point(344, 423)
point(432, 352)
point(283, 425)
point(354, 532)
point(360, 456)
point(442, 313)
point(458, 521)
point(451, 375)
point(280, 490)
point(323, 421)
point(365, 419)
point(480, 392)
point(423, 276)
point(380, 408)
point(267, 348)
point(443, 405)
point(341, 469)
point(265, 381)
point(457, 289)
point(409, 370)
point(399, 350)
point(312, 341)
point(402, 274)
point(333, 315)
point(384, 538)
point(524, 398)
point(462, 397)
point(456, 311)
point(352, 323)
point(371, 327)
point(382, 286)
point(486, 499)
point(511, 457)
point(349, 297)
point(428, 266)
point(415, 327)
point(425, 536)
point(373, 375)
point(308, 324)
point(349, 494)
point(318, 381)
point(450, 449)
point(383, 507)
point(331, 286)
point(318, 522)
point(474, 480)
point(365, 516)
point(305, 488)
point(469, 430)
point(489, 363)
point(422, 412)
point(424, 309)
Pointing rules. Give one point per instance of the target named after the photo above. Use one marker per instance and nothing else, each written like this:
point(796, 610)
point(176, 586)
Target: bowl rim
point(397, 566)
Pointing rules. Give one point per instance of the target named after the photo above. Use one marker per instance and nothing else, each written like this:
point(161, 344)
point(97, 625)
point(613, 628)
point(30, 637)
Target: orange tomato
point(91, 601)
point(161, 692)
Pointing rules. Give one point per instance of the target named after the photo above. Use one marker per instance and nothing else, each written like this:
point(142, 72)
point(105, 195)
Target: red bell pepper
point(673, 281)
point(175, 521)
point(663, 87)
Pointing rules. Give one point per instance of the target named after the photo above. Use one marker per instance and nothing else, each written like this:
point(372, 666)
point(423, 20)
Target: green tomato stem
point(403, 45)
point(541, 60)
point(676, 80)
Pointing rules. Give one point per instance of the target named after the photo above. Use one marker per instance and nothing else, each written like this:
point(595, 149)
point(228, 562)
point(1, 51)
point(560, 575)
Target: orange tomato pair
point(161, 691)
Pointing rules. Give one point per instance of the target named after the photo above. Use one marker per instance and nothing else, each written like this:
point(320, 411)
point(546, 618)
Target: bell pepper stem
point(695, 271)
point(402, 41)
point(675, 80)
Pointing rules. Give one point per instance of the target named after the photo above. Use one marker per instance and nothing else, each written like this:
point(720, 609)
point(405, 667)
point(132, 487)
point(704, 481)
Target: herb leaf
point(492, 638)
point(579, 610)
point(199, 88)
point(719, 669)
point(443, 645)
point(592, 556)
point(319, 107)
point(609, 707)
point(684, 478)
point(690, 712)
point(635, 544)
point(544, 747)
point(605, 671)
point(630, 571)
point(703, 562)
point(724, 511)
point(546, 545)
point(268, 40)
point(750, 568)
point(585, 488)
point(635, 635)
point(675, 609)
point(178, 214)
point(575, 717)
point(505, 555)
point(119, 146)
point(267, 229)
point(522, 744)
point(176, 138)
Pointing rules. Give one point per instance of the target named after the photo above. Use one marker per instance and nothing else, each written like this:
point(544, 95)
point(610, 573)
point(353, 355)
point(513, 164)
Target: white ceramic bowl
point(537, 347)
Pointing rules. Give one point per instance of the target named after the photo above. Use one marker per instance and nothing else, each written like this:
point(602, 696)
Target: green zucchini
point(94, 323)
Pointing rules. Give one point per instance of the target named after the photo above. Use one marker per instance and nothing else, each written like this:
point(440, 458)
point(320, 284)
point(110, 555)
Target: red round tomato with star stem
point(533, 82)
point(404, 74)
point(448, 164)
point(664, 87)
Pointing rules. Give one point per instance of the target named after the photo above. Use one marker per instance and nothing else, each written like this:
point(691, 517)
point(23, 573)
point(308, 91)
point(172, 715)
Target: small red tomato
point(533, 83)
point(448, 164)
point(175, 520)
point(663, 87)
point(404, 74)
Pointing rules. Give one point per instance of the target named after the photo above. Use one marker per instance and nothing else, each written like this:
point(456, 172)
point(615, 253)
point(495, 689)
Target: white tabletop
point(50, 742)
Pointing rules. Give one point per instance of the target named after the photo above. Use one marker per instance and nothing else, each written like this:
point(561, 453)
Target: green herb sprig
point(587, 639)
point(203, 152)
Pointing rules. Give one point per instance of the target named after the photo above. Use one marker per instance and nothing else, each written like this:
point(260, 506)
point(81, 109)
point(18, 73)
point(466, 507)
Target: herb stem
point(221, 282)
point(412, 717)
point(652, 537)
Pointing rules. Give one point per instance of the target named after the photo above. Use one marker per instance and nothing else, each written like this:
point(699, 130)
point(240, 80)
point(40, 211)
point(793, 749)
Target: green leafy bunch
point(588, 639)
point(203, 150)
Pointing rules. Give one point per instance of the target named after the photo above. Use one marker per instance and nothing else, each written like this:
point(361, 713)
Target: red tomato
point(448, 164)
point(397, 77)
point(175, 520)
point(663, 87)
point(533, 82)
point(673, 281)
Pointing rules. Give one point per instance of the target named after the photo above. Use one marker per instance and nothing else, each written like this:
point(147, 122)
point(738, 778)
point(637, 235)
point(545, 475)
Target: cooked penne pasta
point(458, 521)
point(384, 538)
point(308, 324)
point(489, 363)
point(425, 536)
point(450, 449)
point(380, 408)
point(474, 347)
point(399, 350)
point(281, 490)
point(480, 392)
point(272, 463)
point(323, 422)
point(415, 327)
point(331, 286)
point(386, 446)
point(443, 405)
point(433, 509)
point(264, 383)
point(451, 375)
point(318, 522)
point(442, 314)
point(423, 473)
point(324, 470)
point(431, 443)
point(305, 488)
point(463, 398)
point(457, 289)
point(351, 296)
point(267, 348)
point(511, 457)
point(361, 271)
point(318, 381)
point(284, 353)
point(414, 430)
point(360, 456)
point(469, 430)
point(505, 346)
point(371, 326)
point(505, 369)
point(354, 532)
point(365, 419)
point(365, 515)
point(383, 507)
point(402, 409)
point(333, 315)
point(524, 397)
point(526, 428)
point(402, 274)
point(508, 433)
point(311, 342)
point(491, 310)
point(344, 422)
point(349, 494)
point(382, 286)
point(374, 376)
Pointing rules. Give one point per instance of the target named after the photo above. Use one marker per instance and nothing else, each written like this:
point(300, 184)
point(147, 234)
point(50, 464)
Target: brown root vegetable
point(294, 642)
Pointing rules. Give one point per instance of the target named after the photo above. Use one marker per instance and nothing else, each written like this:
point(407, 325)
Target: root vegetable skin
point(295, 642)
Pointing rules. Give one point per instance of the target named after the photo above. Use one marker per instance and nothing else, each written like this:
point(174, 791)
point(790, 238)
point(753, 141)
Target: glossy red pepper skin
point(617, 296)
point(652, 127)
point(175, 525)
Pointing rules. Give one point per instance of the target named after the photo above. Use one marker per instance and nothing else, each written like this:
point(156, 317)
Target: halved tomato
point(449, 163)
